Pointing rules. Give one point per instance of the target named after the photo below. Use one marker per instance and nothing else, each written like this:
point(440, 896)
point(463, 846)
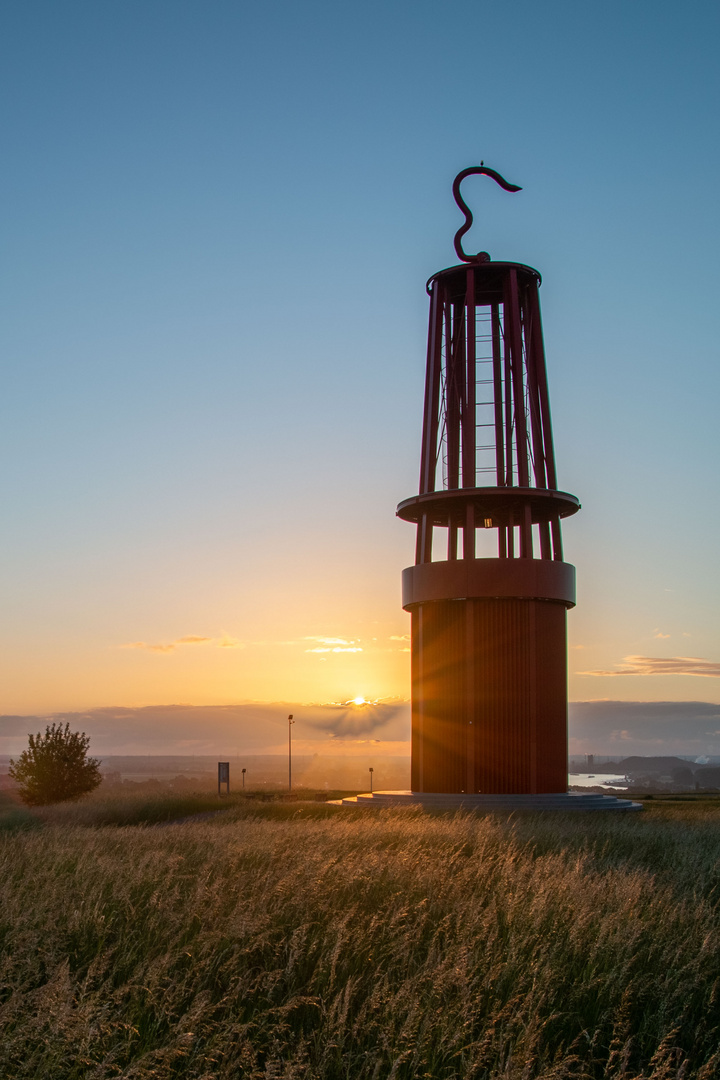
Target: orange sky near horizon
point(215, 334)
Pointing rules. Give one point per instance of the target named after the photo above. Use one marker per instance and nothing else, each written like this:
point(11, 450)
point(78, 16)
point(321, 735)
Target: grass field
point(297, 940)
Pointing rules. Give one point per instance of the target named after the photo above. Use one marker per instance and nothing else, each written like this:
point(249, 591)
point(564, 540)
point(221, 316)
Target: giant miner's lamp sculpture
point(489, 649)
point(489, 590)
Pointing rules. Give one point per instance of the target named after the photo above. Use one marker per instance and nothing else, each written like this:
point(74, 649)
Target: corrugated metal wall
point(489, 696)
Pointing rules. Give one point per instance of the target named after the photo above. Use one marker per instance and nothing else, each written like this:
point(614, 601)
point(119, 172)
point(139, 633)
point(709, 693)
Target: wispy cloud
point(329, 640)
point(150, 647)
point(399, 637)
point(656, 665)
point(659, 634)
point(165, 647)
point(333, 645)
point(224, 642)
point(335, 649)
point(228, 642)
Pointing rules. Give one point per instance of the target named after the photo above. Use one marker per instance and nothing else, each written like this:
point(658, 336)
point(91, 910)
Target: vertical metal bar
point(541, 375)
point(514, 335)
point(498, 410)
point(469, 412)
point(423, 547)
point(455, 393)
point(448, 331)
point(423, 550)
point(545, 550)
point(452, 539)
point(542, 385)
point(419, 541)
point(428, 456)
point(422, 694)
point(469, 532)
point(508, 406)
point(529, 327)
point(533, 396)
point(526, 537)
point(497, 397)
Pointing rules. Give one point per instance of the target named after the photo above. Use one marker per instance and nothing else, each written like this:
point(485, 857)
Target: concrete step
point(562, 800)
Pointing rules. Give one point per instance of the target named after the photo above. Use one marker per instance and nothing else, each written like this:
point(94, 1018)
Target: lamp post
point(290, 724)
point(370, 770)
point(243, 776)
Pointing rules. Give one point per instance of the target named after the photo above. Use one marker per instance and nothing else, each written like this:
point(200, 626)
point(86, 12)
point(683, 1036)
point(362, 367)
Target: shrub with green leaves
point(55, 767)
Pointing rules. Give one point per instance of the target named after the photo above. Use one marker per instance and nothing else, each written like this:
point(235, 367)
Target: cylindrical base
point(489, 696)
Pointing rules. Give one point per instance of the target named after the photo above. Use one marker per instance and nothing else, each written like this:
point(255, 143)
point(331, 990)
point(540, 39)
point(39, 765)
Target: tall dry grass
point(363, 945)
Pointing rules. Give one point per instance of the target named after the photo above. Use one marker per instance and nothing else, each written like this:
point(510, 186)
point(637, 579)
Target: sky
point(217, 224)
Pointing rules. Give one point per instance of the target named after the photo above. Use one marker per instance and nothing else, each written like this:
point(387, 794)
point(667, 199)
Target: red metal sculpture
point(489, 647)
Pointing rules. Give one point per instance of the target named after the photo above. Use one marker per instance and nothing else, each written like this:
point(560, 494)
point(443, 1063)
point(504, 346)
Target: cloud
point(150, 648)
point(644, 727)
point(390, 721)
point(399, 637)
point(169, 647)
point(336, 649)
point(600, 727)
point(329, 640)
point(659, 634)
point(333, 645)
point(248, 728)
point(657, 665)
point(225, 642)
point(228, 642)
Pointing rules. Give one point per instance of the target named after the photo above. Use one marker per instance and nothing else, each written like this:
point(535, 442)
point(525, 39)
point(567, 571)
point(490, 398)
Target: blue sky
point(218, 219)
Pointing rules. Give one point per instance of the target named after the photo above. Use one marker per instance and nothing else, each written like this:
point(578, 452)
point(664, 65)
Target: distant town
point(587, 772)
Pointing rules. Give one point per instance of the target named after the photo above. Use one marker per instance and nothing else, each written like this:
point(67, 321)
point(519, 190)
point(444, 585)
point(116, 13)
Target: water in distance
point(610, 780)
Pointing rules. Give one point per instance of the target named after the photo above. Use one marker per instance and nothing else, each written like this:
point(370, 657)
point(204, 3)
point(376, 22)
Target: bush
point(55, 767)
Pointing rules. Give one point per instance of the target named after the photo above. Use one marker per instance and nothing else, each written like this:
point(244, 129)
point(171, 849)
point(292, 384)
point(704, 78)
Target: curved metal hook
point(482, 256)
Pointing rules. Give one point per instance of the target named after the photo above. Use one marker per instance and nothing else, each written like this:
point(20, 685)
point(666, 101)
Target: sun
point(359, 701)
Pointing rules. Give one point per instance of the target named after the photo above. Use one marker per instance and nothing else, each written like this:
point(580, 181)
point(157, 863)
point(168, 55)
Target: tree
point(55, 767)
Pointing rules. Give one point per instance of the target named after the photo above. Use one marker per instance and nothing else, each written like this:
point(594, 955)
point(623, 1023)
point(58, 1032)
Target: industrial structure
point(489, 590)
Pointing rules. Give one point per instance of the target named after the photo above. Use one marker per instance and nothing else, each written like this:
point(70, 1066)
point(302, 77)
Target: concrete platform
point(562, 801)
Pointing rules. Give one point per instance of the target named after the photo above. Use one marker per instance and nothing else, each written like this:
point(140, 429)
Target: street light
point(371, 770)
point(243, 776)
point(290, 724)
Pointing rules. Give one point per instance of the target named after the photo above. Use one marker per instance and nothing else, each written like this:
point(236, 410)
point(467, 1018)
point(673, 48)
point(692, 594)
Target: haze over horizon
point(219, 220)
point(368, 730)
